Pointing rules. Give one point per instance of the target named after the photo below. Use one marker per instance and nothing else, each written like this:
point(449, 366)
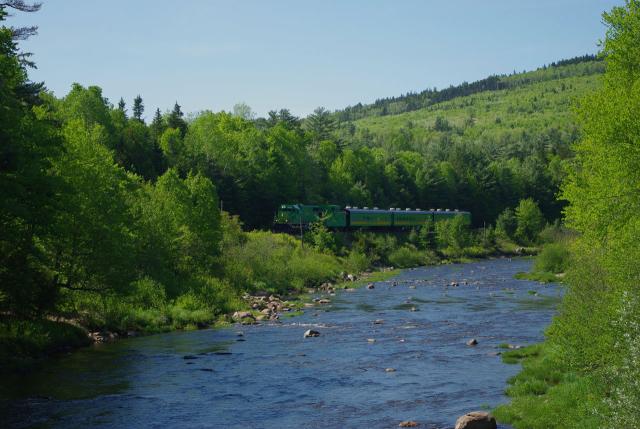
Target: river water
point(271, 377)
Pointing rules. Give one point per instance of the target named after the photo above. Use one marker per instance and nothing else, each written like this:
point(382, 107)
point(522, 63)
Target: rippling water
point(271, 377)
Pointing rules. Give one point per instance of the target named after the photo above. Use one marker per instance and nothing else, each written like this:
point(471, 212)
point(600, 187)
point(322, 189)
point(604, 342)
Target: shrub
point(356, 262)
point(406, 256)
point(554, 258)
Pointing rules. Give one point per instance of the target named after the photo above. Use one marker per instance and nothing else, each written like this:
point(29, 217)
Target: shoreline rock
point(476, 420)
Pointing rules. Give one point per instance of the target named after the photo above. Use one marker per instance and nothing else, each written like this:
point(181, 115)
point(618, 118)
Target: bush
point(376, 246)
point(276, 262)
point(554, 258)
point(356, 262)
point(407, 256)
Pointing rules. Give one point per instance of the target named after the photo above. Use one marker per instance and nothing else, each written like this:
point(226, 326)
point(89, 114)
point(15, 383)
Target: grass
point(546, 394)
point(539, 276)
point(375, 276)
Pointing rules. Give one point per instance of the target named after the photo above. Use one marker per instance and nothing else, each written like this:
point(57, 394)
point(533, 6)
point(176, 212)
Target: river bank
point(27, 343)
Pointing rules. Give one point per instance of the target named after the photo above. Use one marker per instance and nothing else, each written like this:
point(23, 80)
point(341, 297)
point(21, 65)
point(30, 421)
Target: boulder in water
point(371, 286)
point(409, 424)
point(476, 420)
point(472, 342)
point(311, 333)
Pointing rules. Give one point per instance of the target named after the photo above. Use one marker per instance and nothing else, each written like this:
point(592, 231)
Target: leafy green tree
point(244, 111)
point(453, 233)
point(90, 106)
point(507, 224)
point(172, 146)
point(93, 242)
point(530, 221)
point(180, 224)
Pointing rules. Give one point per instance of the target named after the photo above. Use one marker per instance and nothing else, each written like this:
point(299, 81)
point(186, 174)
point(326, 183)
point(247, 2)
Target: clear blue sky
point(297, 54)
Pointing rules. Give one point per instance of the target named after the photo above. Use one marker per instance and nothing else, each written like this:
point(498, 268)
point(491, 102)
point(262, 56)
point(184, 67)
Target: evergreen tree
point(176, 121)
point(122, 105)
point(138, 108)
point(321, 124)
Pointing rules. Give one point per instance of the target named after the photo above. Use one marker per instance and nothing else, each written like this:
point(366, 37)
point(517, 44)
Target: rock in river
point(239, 315)
point(472, 342)
point(409, 424)
point(476, 420)
point(371, 286)
point(311, 333)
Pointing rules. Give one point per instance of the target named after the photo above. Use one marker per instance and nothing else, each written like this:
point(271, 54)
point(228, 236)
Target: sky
point(297, 54)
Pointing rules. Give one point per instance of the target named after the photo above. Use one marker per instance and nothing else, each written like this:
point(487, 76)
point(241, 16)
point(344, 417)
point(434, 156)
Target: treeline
point(586, 373)
point(415, 101)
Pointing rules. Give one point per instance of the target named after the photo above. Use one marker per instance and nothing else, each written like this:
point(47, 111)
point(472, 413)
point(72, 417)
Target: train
point(301, 216)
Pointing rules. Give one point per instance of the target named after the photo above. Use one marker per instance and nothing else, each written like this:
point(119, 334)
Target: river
point(268, 376)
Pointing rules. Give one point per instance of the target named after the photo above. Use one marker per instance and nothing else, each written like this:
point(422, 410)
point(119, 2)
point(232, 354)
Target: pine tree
point(175, 120)
point(138, 108)
point(121, 104)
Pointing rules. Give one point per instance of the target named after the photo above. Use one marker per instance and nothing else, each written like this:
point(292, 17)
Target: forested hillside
point(481, 152)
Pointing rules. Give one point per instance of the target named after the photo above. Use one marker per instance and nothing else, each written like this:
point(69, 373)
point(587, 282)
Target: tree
point(172, 146)
point(29, 191)
point(180, 224)
point(93, 242)
point(453, 233)
point(506, 224)
point(138, 108)
point(320, 124)
point(174, 120)
point(243, 110)
point(530, 221)
point(122, 106)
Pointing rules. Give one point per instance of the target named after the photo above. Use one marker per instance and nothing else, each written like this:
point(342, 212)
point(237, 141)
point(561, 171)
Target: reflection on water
point(277, 379)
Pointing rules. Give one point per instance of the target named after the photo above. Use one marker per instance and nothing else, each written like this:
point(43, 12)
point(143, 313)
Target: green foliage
point(530, 221)
point(93, 241)
point(35, 338)
point(407, 256)
point(276, 262)
point(356, 262)
point(506, 224)
point(321, 239)
point(545, 394)
point(28, 189)
point(453, 233)
point(594, 336)
point(554, 258)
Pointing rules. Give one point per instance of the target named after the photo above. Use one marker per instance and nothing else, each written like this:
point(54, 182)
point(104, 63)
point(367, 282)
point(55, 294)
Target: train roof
point(402, 211)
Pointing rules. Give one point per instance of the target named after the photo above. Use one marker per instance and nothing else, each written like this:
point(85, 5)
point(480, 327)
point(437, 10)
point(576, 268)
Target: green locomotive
point(300, 216)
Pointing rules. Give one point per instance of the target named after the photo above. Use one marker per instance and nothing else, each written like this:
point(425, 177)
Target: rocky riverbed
point(420, 348)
